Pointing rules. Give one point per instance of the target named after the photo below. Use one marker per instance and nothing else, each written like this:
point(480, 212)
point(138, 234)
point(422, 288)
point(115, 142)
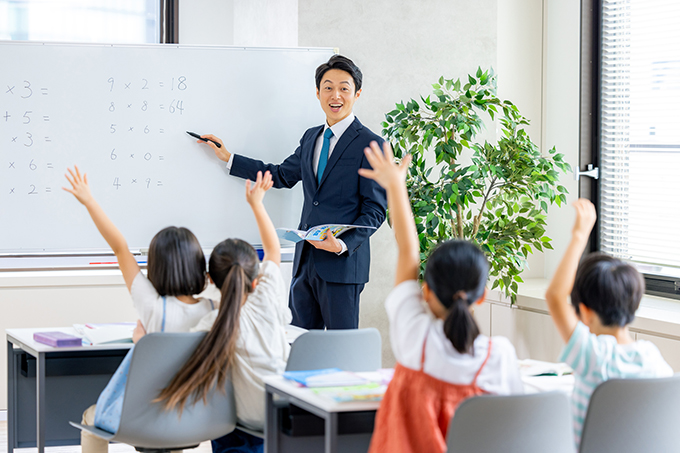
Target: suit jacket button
point(304, 227)
point(316, 203)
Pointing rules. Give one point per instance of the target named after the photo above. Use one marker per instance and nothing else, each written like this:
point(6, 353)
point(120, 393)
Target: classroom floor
point(113, 448)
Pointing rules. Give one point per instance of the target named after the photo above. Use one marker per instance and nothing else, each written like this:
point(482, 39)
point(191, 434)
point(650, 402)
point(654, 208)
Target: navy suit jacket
point(342, 197)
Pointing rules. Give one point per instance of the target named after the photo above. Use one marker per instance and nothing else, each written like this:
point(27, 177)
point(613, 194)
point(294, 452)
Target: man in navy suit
point(328, 276)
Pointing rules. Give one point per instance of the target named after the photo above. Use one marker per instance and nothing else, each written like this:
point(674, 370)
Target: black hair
point(233, 267)
point(176, 263)
point(343, 64)
point(610, 287)
point(457, 272)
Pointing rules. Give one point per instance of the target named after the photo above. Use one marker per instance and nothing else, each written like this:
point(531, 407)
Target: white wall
point(561, 111)
point(206, 22)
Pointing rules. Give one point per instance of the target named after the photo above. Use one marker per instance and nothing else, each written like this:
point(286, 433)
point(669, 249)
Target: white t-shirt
point(411, 320)
point(598, 358)
point(262, 348)
point(179, 316)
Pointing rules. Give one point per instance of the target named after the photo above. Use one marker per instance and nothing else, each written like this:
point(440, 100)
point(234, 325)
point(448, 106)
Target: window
point(639, 141)
point(90, 21)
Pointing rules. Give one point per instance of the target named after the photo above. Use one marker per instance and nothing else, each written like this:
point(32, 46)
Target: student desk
point(47, 387)
point(317, 405)
point(330, 411)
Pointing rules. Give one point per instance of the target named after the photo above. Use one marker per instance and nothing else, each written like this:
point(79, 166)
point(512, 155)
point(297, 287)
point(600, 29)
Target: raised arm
point(254, 195)
point(81, 190)
point(392, 177)
point(562, 283)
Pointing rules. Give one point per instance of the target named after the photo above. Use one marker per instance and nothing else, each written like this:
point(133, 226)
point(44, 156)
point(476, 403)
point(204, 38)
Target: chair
point(534, 423)
point(633, 415)
point(349, 350)
point(156, 359)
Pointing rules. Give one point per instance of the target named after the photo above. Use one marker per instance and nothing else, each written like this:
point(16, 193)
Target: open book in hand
point(317, 233)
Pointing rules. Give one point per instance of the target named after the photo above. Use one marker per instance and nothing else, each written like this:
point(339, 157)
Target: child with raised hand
point(605, 293)
point(441, 356)
point(247, 333)
point(165, 301)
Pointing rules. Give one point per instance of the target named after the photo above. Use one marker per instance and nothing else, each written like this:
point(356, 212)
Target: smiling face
point(337, 95)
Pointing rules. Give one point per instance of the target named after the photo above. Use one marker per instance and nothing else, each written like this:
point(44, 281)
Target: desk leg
point(11, 398)
point(331, 437)
point(271, 426)
point(40, 401)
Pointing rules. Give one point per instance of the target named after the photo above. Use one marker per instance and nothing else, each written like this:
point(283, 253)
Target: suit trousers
point(317, 304)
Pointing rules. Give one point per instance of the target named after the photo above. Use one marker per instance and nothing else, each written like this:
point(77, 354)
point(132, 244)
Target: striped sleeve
point(577, 351)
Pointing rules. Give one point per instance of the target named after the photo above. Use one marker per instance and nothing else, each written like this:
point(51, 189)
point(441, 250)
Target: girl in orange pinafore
point(441, 356)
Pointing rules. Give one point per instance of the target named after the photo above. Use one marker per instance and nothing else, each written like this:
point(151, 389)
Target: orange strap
point(422, 356)
point(488, 354)
point(474, 381)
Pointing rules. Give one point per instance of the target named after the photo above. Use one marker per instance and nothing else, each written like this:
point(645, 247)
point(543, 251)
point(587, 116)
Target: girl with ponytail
point(246, 336)
point(442, 358)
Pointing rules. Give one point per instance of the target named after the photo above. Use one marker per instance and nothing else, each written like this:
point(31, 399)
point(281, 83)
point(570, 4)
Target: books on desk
point(530, 367)
point(94, 334)
point(344, 386)
point(371, 391)
point(317, 233)
point(328, 377)
point(57, 339)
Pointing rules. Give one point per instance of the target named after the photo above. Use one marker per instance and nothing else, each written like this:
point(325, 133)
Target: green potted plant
point(496, 195)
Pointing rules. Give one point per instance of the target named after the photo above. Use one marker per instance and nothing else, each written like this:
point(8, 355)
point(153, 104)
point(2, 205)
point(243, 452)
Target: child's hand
point(585, 217)
point(139, 332)
point(255, 190)
point(385, 171)
point(80, 190)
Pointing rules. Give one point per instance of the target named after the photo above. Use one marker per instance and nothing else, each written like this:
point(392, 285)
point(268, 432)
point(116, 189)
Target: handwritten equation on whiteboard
point(27, 133)
point(133, 103)
point(131, 125)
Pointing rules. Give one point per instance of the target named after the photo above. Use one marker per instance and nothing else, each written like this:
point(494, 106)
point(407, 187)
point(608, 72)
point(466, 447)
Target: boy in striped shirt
point(605, 293)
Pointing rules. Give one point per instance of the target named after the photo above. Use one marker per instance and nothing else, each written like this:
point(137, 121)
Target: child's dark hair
point(343, 64)
point(176, 263)
point(610, 287)
point(233, 267)
point(457, 272)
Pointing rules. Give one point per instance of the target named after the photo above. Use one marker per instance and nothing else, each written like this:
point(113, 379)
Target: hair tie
point(460, 296)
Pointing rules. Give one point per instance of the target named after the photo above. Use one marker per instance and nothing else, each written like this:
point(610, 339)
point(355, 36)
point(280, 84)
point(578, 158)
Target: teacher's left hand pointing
point(330, 244)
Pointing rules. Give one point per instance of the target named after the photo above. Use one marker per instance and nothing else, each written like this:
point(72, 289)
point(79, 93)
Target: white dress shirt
point(338, 129)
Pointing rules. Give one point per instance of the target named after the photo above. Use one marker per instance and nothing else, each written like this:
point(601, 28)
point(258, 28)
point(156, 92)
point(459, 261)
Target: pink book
point(57, 339)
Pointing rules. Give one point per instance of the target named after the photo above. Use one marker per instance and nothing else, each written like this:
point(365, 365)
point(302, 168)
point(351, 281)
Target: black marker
point(193, 134)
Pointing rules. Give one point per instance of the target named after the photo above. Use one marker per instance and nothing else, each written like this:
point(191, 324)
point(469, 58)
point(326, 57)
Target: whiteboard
point(120, 113)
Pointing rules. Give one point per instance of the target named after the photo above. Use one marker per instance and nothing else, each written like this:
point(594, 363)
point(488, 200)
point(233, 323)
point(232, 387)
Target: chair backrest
point(349, 350)
point(156, 359)
point(533, 423)
point(633, 415)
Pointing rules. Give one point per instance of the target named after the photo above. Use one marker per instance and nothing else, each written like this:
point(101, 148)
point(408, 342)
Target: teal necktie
point(323, 157)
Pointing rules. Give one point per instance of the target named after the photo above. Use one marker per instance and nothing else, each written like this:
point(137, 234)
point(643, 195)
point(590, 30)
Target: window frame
point(169, 15)
point(590, 132)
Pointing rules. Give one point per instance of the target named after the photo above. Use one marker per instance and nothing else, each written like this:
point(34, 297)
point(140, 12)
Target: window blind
point(640, 133)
